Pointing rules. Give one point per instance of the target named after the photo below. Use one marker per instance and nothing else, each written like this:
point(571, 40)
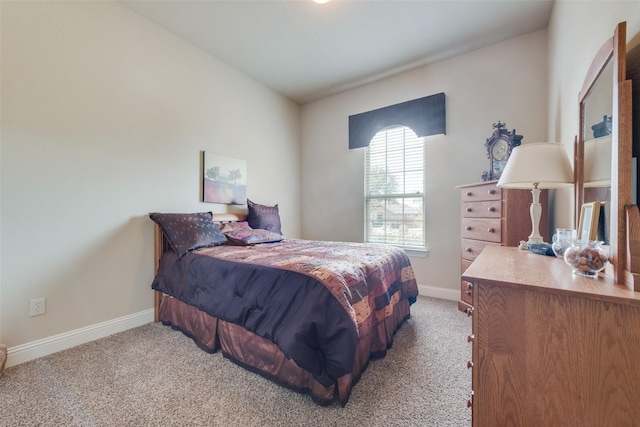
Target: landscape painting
point(224, 179)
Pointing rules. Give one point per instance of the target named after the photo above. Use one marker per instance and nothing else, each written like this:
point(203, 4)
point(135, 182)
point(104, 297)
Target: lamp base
point(535, 210)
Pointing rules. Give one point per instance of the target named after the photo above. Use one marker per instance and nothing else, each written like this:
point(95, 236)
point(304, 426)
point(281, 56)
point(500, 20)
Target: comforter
point(312, 299)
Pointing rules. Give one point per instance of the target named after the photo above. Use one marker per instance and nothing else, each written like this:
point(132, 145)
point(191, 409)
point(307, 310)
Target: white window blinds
point(394, 189)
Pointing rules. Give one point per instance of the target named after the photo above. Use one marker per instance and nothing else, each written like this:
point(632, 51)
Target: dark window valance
point(425, 116)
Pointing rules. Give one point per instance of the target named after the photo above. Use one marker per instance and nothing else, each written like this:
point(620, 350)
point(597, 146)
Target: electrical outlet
point(37, 307)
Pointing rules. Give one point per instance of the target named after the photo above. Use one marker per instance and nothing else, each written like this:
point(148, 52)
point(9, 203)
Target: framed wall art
point(224, 179)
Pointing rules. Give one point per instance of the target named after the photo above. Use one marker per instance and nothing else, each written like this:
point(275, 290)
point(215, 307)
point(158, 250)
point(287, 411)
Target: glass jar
point(562, 240)
point(586, 258)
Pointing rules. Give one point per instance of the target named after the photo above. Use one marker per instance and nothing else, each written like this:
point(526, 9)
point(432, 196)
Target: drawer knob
point(468, 228)
point(492, 192)
point(469, 194)
point(469, 311)
point(468, 250)
point(470, 337)
point(470, 403)
point(469, 364)
point(491, 230)
point(469, 288)
point(469, 210)
point(492, 209)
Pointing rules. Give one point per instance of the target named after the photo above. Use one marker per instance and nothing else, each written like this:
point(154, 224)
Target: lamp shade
point(540, 164)
point(597, 162)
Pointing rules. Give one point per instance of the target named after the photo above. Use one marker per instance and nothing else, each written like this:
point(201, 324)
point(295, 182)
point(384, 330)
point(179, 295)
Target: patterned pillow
point(263, 217)
point(232, 226)
point(189, 231)
point(250, 236)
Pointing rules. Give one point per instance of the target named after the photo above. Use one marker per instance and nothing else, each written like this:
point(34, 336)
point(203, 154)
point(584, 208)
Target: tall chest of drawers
point(493, 216)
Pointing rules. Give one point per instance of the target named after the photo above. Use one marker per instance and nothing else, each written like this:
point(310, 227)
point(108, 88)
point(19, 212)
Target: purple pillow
point(263, 217)
point(232, 226)
point(250, 236)
point(189, 231)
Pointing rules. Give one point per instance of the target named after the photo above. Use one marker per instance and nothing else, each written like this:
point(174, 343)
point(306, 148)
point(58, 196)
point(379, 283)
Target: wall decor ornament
point(499, 147)
point(224, 179)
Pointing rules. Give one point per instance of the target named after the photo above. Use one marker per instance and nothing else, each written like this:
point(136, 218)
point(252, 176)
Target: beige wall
point(504, 82)
point(576, 31)
point(104, 116)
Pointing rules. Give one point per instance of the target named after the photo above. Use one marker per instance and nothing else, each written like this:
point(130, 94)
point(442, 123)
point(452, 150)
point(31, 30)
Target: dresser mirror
point(603, 148)
point(597, 110)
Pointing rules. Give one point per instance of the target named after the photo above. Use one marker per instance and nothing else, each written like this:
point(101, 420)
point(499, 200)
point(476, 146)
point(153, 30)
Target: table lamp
point(536, 166)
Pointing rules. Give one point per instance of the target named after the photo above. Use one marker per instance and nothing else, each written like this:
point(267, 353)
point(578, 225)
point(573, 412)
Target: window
point(394, 189)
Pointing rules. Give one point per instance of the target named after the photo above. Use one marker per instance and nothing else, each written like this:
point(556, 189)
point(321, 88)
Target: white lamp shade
point(597, 162)
point(541, 164)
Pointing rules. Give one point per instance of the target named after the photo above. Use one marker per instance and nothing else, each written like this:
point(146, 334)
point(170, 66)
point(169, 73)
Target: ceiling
point(307, 51)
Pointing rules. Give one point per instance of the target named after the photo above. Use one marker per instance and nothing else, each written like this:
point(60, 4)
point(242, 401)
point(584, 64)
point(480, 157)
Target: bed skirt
point(261, 356)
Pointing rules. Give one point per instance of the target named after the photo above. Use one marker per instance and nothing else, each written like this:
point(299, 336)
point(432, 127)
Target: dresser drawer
point(464, 264)
point(465, 308)
point(481, 192)
point(472, 248)
point(466, 292)
point(488, 209)
point(486, 229)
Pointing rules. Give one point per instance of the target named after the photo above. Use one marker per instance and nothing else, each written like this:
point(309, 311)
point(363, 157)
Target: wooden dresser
point(494, 216)
point(550, 348)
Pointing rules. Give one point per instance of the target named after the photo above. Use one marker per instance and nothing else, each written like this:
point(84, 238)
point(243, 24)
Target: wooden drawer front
point(482, 229)
point(465, 308)
point(472, 248)
point(489, 209)
point(464, 264)
point(466, 292)
point(481, 192)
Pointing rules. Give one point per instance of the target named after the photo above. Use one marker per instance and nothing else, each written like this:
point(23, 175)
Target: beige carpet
point(155, 376)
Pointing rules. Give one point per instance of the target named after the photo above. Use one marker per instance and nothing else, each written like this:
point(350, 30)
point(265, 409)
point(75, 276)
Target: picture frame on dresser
point(589, 219)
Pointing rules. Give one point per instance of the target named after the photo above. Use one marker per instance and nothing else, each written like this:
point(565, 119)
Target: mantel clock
point(499, 147)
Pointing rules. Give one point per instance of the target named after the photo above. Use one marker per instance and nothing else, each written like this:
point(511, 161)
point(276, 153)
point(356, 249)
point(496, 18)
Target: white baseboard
point(442, 293)
point(32, 350)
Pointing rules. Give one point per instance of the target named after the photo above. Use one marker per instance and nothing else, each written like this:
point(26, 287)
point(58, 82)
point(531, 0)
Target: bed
point(309, 315)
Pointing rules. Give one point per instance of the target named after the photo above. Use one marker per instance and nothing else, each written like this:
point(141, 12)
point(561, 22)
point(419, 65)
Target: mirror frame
point(614, 49)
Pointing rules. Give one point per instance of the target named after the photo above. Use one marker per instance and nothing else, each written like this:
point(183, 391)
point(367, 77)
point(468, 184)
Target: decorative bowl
point(586, 258)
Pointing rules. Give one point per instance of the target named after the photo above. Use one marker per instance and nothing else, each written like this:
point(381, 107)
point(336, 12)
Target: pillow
point(189, 231)
point(250, 236)
point(263, 217)
point(235, 225)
